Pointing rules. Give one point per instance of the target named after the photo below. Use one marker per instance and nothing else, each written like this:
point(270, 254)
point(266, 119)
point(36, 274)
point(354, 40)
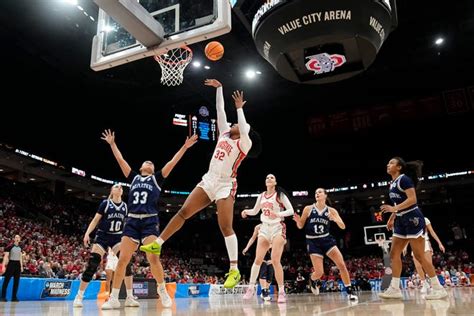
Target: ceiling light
point(250, 74)
point(439, 41)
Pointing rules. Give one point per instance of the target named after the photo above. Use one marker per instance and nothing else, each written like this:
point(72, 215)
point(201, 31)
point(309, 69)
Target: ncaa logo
point(388, 270)
point(324, 62)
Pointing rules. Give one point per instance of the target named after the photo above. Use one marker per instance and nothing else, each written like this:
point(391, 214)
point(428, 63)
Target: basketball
point(214, 51)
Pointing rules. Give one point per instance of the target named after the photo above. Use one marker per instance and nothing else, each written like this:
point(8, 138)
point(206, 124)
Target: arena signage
point(263, 10)
point(56, 289)
point(301, 38)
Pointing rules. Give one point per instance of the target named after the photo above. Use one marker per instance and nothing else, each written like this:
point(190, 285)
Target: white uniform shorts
point(270, 231)
point(218, 188)
point(427, 247)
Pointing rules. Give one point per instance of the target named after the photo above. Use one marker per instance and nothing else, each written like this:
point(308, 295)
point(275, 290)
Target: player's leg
point(270, 272)
point(112, 259)
point(262, 247)
point(225, 216)
point(262, 279)
point(421, 273)
point(318, 271)
point(109, 274)
point(278, 244)
point(195, 202)
point(95, 258)
point(336, 256)
point(128, 280)
point(418, 246)
point(158, 273)
point(393, 291)
point(127, 247)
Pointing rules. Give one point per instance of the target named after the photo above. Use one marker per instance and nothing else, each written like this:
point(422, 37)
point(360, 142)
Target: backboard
point(181, 22)
point(372, 233)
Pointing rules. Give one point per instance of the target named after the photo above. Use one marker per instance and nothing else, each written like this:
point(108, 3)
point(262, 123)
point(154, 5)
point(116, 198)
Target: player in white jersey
point(110, 266)
point(219, 184)
point(428, 254)
point(275, 206)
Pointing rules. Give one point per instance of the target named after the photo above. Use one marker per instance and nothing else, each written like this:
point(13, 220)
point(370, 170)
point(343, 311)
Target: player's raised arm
point(166, 170)
point(252, 239)
point(244, 128)
point(221, 116)
point(109, 137)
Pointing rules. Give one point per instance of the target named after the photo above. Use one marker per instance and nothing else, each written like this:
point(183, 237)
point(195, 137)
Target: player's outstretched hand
point(109, 136)
point(238, 97)
point(212, 83)
point(190, 141)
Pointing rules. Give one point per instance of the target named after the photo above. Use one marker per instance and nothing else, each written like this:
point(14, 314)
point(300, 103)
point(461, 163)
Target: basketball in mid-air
point(214, 51)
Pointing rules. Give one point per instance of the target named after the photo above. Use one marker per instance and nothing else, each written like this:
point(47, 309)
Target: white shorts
point(112, 261)
point(427, 247)
point(270, 231)
point(217, 188)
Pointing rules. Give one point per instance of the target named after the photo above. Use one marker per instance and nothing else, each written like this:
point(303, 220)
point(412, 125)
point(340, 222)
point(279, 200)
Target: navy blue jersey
point(113, 216)
point(144, 193)
point(397, 189)
point(268, 255)
point(317, 223)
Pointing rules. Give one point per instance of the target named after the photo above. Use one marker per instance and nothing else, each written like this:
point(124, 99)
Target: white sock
point(232, 246)
point(435, 282)
point(130, 293)
point(254, 274)
point(115, 293)
point(160, 241)
point(162, 286)
point(395, 283)
point(281, 289)
point(80, 293)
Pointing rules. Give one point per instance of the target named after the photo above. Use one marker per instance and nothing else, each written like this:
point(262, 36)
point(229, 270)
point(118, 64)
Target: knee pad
point(128, 269)
point(92, 265)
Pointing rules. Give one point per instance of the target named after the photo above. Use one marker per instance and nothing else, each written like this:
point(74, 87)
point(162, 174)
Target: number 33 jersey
point(144, 193)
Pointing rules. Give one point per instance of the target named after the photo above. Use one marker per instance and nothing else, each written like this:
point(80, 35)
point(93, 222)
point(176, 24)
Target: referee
point(13, 263)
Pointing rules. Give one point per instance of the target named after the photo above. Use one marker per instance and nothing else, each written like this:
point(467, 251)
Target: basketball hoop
point(173, 63)
point(380, 242)
point(384, 244)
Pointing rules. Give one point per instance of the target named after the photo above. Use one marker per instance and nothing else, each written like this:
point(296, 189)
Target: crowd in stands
point(53, 247)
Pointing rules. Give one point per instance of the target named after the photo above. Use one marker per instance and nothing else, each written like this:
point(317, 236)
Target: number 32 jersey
point(227, 157)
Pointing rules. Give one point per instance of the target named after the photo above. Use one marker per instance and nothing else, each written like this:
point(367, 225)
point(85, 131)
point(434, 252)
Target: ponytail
point(411, 169)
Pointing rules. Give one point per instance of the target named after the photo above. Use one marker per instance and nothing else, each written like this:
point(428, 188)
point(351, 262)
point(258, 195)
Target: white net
point(173, 64)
